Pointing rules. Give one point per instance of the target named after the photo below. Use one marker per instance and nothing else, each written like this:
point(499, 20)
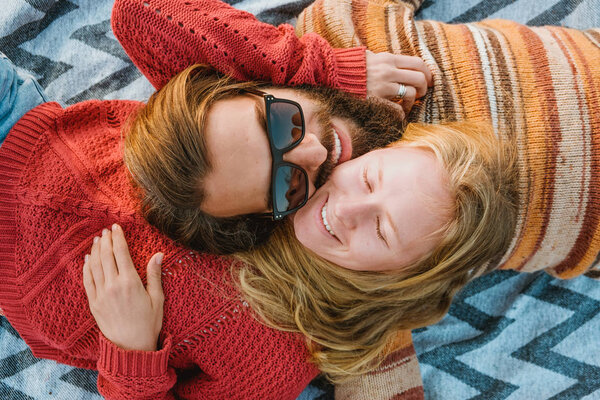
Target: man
point(225, 212)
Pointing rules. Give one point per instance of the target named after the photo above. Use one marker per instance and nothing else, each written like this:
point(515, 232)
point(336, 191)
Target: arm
point(363, 22)
point(132, 364)
point(163, 37)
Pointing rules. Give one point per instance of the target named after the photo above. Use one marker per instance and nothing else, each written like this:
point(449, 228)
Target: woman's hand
point(128, 314)
point(386, 71)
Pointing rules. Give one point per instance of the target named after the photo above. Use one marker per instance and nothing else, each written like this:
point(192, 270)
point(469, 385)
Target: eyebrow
point(262, 121)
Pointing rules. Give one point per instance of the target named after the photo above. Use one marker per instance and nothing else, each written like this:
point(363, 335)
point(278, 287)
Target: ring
point(401, 91)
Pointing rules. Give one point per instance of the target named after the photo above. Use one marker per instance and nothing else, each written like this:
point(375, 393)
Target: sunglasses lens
point(286, 124)
point(290, 188)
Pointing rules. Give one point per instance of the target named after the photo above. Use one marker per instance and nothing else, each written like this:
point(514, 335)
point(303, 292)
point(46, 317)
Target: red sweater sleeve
point(163, 37)
point(135, 375)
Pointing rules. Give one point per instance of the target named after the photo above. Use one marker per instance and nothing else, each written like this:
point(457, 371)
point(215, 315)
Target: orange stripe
point(467, 72)
point(359, 17)
point(369, 24)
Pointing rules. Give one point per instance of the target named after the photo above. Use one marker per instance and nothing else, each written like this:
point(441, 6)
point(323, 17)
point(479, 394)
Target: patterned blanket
point(507, 335)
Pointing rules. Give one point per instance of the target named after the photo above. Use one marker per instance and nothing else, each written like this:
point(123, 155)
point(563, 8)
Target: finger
point(416, 64)
point(88, 280)
point(153, 278)
point(96, 264)
point(121, 252)
point(415, 79)
point(109, 266)
point(409, 98)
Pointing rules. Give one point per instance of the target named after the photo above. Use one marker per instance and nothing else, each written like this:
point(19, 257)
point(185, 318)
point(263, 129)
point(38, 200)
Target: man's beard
point(374, 123)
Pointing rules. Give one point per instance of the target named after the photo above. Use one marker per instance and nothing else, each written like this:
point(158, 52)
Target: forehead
point(418, 195)
point(238, 149)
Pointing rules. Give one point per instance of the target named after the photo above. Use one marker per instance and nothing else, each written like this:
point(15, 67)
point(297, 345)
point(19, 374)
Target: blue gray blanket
point(507, 335)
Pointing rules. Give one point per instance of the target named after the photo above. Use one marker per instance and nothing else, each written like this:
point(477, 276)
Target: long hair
point(165, 152)
point(347, 316)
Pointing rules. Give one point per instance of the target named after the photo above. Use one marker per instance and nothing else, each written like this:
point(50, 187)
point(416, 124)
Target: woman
point(63, 179)
point(472, 177)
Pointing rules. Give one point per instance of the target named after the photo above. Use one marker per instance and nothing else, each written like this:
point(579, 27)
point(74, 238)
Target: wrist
point(127, 362)
point(351, 65)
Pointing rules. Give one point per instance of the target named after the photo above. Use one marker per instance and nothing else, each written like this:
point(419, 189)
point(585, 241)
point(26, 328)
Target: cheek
point(301, 228)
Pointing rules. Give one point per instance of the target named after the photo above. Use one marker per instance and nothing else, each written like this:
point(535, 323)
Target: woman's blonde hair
point(347, 316)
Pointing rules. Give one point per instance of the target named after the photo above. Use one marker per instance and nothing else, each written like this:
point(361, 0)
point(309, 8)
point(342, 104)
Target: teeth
point(324, 217)
point(337, 147)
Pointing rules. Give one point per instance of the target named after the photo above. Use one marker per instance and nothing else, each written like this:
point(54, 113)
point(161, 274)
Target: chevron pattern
point(519, 336)
point(506, 336)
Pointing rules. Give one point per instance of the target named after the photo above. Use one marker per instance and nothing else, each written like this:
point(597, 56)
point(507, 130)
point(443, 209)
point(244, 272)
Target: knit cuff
point(134, 363)
point(351, 66)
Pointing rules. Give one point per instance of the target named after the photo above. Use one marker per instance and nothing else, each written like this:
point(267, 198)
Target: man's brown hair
point(165, 151)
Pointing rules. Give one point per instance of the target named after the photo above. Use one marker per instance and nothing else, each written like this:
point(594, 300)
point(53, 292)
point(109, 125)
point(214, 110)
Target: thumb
point(153, 278)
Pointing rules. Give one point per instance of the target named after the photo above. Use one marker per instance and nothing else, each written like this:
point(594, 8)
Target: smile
point(337, 147)
point(324, 218)
point(342, 145)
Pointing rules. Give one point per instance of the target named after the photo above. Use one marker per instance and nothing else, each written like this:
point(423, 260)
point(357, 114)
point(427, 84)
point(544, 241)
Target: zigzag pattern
point(475, 352)
point(538, 342)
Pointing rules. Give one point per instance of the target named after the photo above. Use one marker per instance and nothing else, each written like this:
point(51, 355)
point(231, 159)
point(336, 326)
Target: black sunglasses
point(285, 130)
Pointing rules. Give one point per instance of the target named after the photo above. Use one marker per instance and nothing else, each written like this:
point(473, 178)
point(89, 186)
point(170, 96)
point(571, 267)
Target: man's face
point(337, 128)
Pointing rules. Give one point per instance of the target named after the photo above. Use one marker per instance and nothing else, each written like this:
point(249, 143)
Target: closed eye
point(367, 180)
point(379, 234)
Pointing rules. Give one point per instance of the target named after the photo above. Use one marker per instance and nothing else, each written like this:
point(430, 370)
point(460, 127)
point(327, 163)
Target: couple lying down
point(457, 181)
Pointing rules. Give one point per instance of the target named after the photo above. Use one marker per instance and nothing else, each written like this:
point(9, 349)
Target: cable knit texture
point(163, 37)
point(62, 180)
point(540, 84)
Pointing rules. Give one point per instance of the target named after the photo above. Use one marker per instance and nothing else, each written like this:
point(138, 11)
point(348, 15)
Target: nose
point(351, 212)
point(309, 154)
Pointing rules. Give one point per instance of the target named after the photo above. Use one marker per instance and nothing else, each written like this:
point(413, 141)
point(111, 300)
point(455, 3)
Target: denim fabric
point(19, 93)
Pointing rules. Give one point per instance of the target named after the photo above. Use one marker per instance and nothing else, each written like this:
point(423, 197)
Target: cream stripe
point(393, 28)
point(487, 72)
point(570, 195)
point(423, 51)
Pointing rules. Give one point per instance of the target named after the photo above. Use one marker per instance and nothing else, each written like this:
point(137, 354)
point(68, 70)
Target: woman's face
point(379, 211)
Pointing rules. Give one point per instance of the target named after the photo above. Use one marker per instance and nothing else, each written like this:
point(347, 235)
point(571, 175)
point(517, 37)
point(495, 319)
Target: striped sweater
point(540, 86)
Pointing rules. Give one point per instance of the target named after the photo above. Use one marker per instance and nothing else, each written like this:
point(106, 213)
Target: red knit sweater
point(62, 180)
point(163, 37)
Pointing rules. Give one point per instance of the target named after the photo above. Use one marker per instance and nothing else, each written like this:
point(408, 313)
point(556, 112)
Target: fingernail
point(159, 258)
point(86, 258)
point(115, 227)
point(96, 238)
point(104, 232)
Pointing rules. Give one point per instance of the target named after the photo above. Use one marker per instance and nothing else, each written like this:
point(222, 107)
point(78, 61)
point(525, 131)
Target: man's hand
point(386, 71)
point(128, 314)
